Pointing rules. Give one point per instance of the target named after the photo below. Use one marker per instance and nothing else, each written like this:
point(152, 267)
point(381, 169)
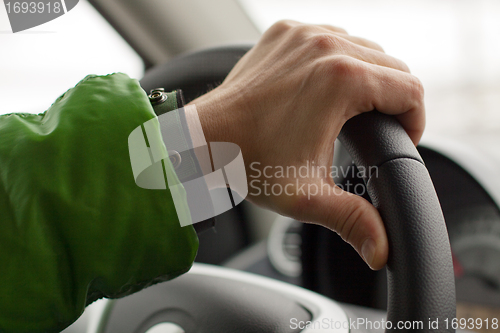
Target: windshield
point(452, 46)
point(39, 64)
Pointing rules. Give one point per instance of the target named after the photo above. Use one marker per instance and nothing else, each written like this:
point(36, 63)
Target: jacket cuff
point(177, 133)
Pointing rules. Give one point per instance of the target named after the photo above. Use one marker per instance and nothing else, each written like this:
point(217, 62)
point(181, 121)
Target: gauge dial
point(475, 242)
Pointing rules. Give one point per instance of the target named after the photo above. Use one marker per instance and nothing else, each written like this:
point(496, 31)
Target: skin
point(285, 102)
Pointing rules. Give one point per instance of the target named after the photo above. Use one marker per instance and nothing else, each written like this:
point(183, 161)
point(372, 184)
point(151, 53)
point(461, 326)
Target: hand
point(284, 104)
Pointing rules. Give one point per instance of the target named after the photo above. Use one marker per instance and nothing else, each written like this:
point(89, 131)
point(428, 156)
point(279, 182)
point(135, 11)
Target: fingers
point(354, 219)
point(333, 28)
point(344, 44)
point(361, 50)
point(357, 40)
point(397, 93)
point(335, 40)
point(385, 89)
point(362, 42)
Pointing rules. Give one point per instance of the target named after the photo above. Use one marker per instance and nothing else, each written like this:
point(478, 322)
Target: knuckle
point(347, 224)
point(417, 89)
point(340, 30)
point(324, 42)
point(402, 66)
point(280, 27)
point(345, 68)
point(335, 28)
point(372, 45)
point(301, 31)
point(298, 206)
point(283, 25)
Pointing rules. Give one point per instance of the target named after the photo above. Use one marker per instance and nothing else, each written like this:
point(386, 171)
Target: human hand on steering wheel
point(284, 104)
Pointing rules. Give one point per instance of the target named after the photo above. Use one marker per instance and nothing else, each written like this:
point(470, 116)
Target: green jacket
point(74, 226)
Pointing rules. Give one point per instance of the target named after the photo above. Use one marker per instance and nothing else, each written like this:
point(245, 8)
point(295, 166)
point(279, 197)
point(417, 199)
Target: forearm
point(75, 226)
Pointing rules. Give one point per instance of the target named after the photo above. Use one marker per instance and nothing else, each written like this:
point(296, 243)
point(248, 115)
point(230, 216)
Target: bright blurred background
point(39, 64)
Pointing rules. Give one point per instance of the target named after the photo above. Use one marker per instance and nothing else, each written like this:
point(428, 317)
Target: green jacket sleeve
point(74, 226)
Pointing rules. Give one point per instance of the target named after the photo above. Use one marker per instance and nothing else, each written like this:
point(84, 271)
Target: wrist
point(218, 116)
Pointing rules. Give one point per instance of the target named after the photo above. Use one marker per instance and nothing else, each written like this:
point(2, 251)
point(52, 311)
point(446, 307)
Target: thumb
point(355, 219)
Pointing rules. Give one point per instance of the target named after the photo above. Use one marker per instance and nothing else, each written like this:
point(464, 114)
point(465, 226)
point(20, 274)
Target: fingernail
point(368, 250)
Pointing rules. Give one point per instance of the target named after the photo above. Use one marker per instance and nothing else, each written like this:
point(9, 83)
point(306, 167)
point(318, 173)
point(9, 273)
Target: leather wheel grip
point(421, 285)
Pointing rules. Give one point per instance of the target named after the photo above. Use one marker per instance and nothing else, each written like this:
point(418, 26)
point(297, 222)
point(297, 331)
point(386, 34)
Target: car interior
point(257, 271)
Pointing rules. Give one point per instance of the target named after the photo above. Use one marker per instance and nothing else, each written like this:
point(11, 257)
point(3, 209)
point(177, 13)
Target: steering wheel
point(214, 299)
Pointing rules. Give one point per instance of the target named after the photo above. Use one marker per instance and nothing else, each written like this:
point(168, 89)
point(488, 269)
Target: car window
point(452, 46)
point(39, 64)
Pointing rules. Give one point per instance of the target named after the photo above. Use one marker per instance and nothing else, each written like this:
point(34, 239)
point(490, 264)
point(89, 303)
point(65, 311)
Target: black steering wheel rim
point(420, 272)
